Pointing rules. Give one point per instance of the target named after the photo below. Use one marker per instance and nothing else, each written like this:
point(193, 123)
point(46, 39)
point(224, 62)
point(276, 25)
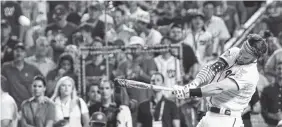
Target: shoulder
point(25, 103)
point(72, 25)
point(7, 65)
point(277, 52)
point(217, 19)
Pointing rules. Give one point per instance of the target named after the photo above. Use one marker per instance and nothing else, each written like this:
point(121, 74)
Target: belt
point(220, 111)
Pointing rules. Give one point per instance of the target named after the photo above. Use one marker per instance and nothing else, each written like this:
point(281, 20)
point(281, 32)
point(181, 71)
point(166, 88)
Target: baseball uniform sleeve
point(230, 55)
point(245, 76)
point(8, 110)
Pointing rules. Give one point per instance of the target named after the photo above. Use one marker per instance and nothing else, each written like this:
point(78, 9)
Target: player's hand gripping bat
point(140, 85)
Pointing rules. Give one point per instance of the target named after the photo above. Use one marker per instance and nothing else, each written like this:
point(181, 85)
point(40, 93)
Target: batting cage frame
point(106, 51)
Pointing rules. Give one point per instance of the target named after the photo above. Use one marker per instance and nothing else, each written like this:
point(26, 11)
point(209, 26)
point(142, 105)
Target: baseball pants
point(219, 120)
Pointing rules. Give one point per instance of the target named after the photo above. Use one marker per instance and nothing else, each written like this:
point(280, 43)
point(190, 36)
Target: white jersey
point(170, 69)
point(246, 78)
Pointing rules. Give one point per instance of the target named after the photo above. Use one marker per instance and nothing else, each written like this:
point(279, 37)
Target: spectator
point(86, 34)
point(38, 111)
point(271, 63)
point(65, 67)
point(271, 99)
point(240, 9)
point(19, 75)
point(60, 32)
point(96, 68)
point(75, 53)
point(92, 18)
point(8, 42)
point(69, 106)
point(9, 109)
point(229, 15)
point(98, 119)
point(145, 30)
point(158, 111)
point(107, 105)
point(199, 39)
point(273, 19)
point(272, 41)
point(169, 67)
point(40, 59)
point(190, 63)
point(12, 11)
point(35, 31)
point(189, 112)
point(215, 25)
point(94, 95)
point(253, 107)
point(73, 16)
point(137, 67)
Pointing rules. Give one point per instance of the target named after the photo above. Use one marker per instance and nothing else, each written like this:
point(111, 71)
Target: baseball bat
point(140, 85)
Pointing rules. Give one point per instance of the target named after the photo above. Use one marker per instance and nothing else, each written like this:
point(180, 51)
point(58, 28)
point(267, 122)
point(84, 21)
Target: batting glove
point(181, 92)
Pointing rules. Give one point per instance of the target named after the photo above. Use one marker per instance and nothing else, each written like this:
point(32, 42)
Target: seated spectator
point(19, 75)
point(271, 99)
point(69, 107)
point(9, 109)
point(94, 95)
point(146, 31)
point(271, 63)
point(229, 15)
point(199, 39)
point(158, 111)
point(65, 67)
point(98, 119)
point(92, 18)
point(38, 111)
point(8, 42)
point(107, 104)
point(40, 59)
point(169, 67)
point(60, 32)
point(215, 25)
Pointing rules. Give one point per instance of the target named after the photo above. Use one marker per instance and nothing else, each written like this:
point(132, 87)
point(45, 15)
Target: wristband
point(196, 92)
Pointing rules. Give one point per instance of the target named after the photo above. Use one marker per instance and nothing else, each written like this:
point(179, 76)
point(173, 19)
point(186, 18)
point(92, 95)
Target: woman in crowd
point(38, 111)
point(65, 67)
point(69, 107)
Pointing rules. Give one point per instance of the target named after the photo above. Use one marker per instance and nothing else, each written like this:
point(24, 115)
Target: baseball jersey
point(170, 69)
point(246, 78)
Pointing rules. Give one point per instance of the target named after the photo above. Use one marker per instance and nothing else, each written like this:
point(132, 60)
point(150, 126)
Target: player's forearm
point(204, 76)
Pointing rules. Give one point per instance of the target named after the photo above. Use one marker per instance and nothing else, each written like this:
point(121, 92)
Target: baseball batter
point(227, 84)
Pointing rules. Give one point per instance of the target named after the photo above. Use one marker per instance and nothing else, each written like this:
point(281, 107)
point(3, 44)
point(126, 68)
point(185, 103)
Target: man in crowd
point(8, 41)
point(9, 109)
point(271, 63)
point(60, 32)
point(40, 59)
point(168, 66)
point(271, 99)
point(12, 12)
point(158, 111)
point(19, 75)
point(93, 95)
point(215, 25)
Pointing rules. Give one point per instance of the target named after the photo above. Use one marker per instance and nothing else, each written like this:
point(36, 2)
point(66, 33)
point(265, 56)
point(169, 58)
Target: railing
point(248, 26)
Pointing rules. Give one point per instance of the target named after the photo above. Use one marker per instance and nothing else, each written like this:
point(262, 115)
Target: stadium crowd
point(40, 61)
